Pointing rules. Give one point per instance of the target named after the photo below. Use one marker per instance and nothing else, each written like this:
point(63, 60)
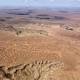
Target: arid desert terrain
point(39, 44)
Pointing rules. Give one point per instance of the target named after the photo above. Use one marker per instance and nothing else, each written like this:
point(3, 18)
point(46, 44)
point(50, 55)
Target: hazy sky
point(50, 3)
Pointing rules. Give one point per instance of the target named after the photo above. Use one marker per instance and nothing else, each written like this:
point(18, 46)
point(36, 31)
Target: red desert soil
point(59, 44)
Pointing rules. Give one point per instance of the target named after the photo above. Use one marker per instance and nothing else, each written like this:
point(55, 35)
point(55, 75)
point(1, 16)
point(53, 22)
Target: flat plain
point(39, 44)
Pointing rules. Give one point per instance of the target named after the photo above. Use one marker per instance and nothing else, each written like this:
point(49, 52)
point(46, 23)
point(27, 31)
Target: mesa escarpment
point(38, 70)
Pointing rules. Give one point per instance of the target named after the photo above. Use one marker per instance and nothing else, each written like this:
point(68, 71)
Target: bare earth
point(39, 45)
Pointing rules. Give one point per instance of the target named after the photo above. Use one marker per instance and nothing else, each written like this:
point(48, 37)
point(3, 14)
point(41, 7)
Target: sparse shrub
point(43, 32)
point(18, 32)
